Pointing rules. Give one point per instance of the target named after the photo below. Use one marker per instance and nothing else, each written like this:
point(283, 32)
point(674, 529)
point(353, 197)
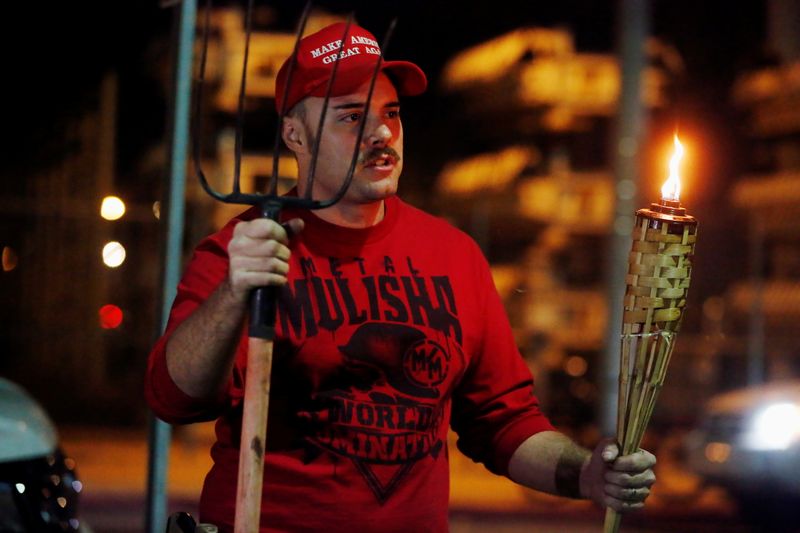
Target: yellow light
point(576, 366)
point(672, 187)
point(113, 254)
point(10, 259)
point(718, 452)
point(493, 171)
point(157, 210)
point(112, 208)
point(581, 389)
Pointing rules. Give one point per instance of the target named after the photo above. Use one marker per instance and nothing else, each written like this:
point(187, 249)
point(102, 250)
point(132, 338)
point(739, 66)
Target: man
point(389, 331)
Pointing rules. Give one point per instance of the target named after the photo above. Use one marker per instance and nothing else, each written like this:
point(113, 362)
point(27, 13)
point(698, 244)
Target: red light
point(110, 316)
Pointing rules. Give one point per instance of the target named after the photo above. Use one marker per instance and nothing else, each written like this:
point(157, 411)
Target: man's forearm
point(201, 350)
point(550, 462)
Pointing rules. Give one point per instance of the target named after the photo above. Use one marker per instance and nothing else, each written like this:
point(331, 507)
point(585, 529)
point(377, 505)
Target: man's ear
point(293, 133)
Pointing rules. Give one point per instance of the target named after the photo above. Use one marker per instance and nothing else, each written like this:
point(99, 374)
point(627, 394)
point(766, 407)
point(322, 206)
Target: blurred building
point(766, 306)
point(749, 331)
point(541, 202)
point(81, 283)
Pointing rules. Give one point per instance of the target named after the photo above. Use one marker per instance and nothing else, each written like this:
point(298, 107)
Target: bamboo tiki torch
point(659, 272)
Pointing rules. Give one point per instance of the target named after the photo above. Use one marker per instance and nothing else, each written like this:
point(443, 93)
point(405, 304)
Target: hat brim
point(408, 79)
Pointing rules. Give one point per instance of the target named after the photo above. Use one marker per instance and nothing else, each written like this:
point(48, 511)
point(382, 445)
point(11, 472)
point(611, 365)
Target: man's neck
point(353, 216)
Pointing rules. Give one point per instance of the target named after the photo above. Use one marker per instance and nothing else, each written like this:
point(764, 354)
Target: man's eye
point(395, 113)
point(352, 117)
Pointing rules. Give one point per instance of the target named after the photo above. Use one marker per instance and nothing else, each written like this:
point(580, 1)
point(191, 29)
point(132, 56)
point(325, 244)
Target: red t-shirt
point(386, 336)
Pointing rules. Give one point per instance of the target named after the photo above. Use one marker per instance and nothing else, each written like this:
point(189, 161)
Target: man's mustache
point(378, 153)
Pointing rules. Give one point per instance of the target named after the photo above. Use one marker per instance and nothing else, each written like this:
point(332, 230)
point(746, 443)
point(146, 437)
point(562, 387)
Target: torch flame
point(671, 190)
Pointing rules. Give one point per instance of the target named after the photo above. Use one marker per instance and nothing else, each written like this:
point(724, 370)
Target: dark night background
point(55, 55)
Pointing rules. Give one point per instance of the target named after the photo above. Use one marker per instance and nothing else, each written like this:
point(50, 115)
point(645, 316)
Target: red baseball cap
point(317, 54)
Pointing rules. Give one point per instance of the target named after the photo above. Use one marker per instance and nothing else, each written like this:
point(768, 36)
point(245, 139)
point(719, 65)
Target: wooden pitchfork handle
point(252, 446)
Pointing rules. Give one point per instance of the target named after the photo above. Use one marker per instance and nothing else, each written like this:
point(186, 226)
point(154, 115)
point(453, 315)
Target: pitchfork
point(263, 300)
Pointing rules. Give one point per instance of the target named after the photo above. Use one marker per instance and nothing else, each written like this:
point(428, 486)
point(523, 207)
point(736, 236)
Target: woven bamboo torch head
point(660, 262)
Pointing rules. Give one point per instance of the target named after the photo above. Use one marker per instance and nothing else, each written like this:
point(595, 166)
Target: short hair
point(298, 111)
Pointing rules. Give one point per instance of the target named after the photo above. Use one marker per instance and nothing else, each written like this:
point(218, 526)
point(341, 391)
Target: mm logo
point(426, 363)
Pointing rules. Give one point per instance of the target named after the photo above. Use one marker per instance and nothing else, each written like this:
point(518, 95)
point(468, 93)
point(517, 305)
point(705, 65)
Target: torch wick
point(674, 204)
point(668, 208)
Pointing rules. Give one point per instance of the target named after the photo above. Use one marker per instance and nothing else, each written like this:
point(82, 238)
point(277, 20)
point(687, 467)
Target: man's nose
point(380, 135)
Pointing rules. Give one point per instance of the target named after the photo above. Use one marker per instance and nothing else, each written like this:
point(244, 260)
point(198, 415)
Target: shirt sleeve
point(205, 271)
point(495, 408)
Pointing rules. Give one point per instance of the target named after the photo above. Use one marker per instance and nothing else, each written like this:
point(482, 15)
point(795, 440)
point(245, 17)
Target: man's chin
point(375, 191)
point(385, 190)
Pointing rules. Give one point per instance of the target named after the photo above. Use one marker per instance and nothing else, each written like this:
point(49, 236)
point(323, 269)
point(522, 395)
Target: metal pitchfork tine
point(263, 300)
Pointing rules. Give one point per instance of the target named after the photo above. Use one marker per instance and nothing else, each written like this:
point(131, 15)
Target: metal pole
point(633, 22)
point(174, 200)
